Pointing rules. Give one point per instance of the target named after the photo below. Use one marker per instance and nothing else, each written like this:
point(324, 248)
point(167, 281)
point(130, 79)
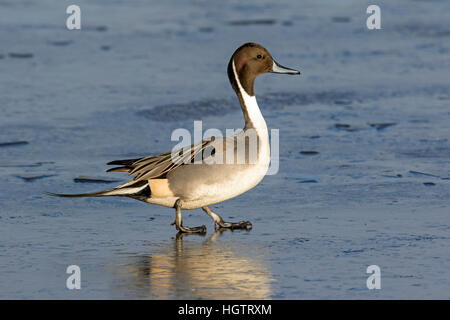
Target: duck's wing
point(158, 166)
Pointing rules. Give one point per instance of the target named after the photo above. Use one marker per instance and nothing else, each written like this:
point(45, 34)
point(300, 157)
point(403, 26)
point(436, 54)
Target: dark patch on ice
point(439, 152)
point(87, 179)
point(101, 28)
point(429, 184)
point(342, 126)
point(206, 29)
point(343, 102)
point(354, 251)
point(309, 153)
point(24, 165)
point(308, 181)
point(381, 126)
point(20, 55)
point(52, 215)
point(392, 175)
point(423, 174)
point(424, 30)
point(444, 97)
point(294, 98)
point(377, 52)
point(194, 109)
point(402, 276)
point(105, 48)
point(28, 177)
point(341, 19)
point(304, 179)
point(287, 23)
point(252, 22)
point(419, 121)
point(346, 127)
point(314, 280)
point(298, 240)
point(60, 43)
point(41, 26)
point(419, 238)
point(13, 143)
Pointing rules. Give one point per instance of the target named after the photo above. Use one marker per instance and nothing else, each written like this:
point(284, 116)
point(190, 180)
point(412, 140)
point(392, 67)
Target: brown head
point(249, 61)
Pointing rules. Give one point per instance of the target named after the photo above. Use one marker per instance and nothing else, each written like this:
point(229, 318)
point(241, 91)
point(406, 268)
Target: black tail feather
point(80, 195)
point(125, 162)
point(121, 191)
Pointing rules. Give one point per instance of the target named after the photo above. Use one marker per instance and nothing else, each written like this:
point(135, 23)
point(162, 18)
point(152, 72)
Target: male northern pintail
point(212, 170)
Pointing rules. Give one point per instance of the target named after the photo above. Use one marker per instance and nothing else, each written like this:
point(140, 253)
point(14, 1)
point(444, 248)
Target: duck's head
point(249, 61)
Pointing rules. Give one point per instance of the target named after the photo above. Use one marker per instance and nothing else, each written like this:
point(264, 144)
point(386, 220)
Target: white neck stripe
point(241, 89)
point(250, 104)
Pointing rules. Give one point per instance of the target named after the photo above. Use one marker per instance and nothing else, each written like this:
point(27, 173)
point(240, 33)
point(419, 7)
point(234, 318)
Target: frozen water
point(374, 105)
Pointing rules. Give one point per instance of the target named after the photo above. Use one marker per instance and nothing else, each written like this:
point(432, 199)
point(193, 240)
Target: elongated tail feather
point(125, 162)
point(82, 195)
point(139, 190)
point(126, 165)
point(120, 169)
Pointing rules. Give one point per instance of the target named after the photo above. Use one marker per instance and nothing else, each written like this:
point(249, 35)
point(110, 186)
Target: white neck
point(254, 113)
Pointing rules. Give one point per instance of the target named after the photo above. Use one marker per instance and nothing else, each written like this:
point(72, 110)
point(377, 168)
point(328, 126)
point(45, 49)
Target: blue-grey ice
point(364, 149)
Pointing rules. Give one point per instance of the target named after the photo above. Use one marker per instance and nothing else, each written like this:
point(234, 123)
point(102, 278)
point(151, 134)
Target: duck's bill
point(277, 68)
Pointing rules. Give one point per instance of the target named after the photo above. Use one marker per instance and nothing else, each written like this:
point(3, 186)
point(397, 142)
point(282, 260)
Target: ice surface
point(374, 105)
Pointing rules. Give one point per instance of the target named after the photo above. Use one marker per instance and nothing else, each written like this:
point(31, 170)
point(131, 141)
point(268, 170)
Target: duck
point(213, 170)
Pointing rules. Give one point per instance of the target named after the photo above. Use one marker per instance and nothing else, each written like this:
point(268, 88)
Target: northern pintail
point(177, 180)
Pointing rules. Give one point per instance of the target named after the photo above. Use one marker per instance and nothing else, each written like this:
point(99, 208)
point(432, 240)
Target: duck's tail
point(139, 190)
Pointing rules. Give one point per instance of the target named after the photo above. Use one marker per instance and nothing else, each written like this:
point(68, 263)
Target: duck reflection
point(188, 269)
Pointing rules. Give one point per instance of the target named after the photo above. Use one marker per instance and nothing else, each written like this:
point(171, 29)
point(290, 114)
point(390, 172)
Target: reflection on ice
point(196, 270)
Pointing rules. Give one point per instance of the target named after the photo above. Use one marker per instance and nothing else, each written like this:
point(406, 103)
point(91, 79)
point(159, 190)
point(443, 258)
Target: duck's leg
point(218, 221)
point(179, 221)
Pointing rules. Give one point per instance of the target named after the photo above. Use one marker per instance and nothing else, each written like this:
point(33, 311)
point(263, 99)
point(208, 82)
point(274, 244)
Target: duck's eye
point(259, 56)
